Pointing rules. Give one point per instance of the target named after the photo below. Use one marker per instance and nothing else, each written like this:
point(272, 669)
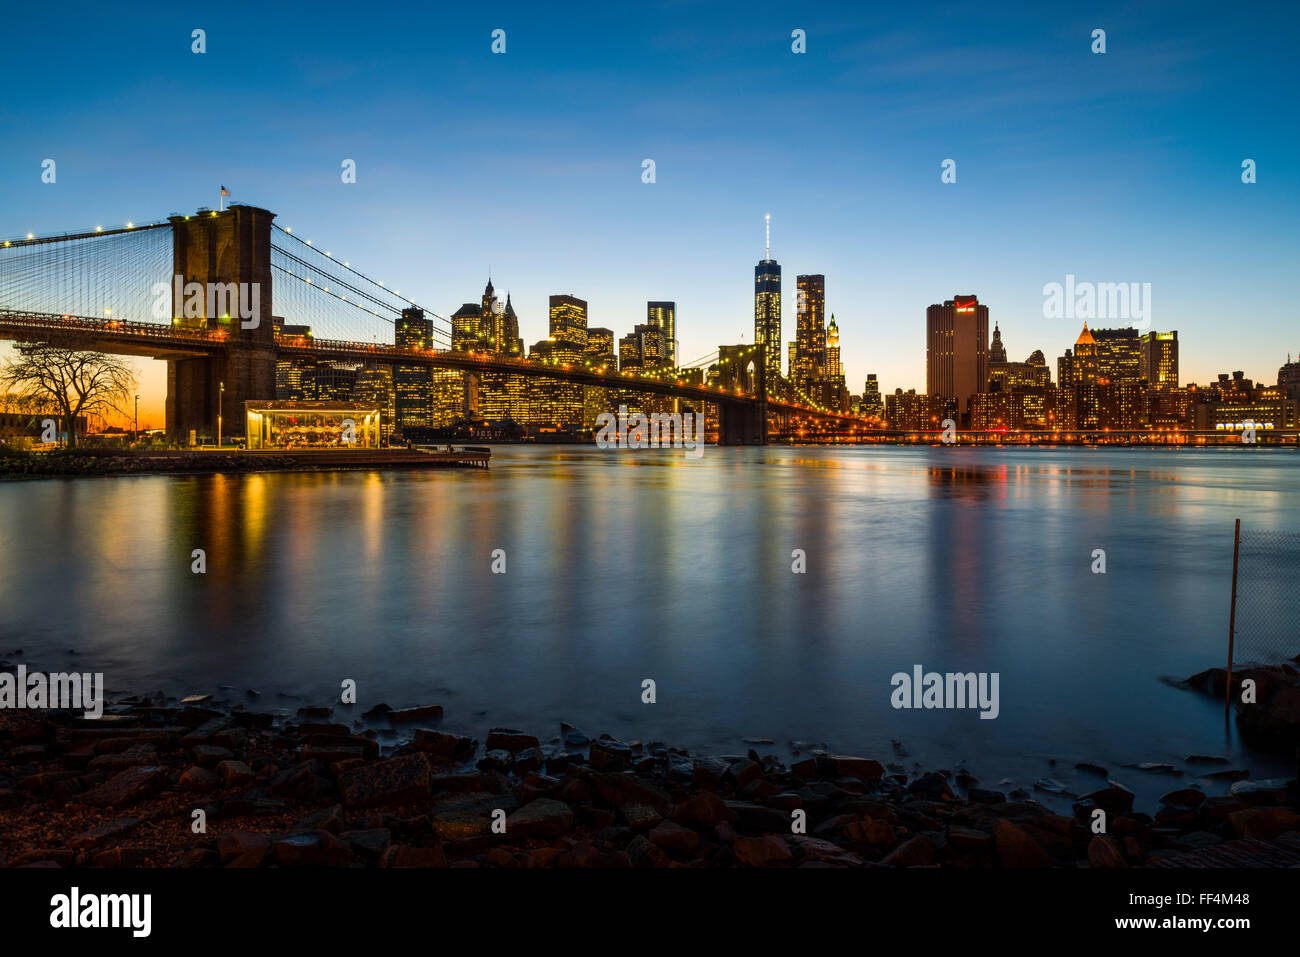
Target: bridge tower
point(209, 248)
point(743, 422)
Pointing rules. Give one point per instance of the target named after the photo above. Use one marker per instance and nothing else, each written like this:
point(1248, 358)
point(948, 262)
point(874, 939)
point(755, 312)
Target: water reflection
point(628, 566)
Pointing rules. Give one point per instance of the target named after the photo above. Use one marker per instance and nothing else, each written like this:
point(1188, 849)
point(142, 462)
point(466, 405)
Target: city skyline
point(1033, 120)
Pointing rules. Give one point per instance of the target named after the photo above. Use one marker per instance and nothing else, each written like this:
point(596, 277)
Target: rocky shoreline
point(316, 789)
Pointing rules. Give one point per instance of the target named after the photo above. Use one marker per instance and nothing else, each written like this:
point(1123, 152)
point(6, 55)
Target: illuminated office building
point(663, 316)
point(872, 404)
point(411, 383)
point(1078, 407)
point(1159, 360)
point(767, 308)
point(600, 355)
point(374, 385)
point(810, 333)
point(956, 355)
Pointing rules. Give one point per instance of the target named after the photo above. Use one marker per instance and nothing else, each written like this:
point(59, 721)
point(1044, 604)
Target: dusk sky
point(1119, 167)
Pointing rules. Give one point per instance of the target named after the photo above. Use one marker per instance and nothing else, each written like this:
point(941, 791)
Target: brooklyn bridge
point(118, 290)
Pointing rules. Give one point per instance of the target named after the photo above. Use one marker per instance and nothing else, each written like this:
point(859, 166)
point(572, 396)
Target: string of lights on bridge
point(663, 377)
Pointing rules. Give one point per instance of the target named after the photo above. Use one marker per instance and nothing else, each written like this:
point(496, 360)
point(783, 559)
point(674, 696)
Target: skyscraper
point(563, 402)
point(1159, 360)
point(663, 315)
point(411, 382)
point(569, 321)
point(872, 403)
point(767, 307)
point(810, 332)
point(1077, 381)
point(957, 352)
point(834, 391)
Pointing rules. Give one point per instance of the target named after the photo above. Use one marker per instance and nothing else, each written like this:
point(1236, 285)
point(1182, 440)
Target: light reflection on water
point(630, 565)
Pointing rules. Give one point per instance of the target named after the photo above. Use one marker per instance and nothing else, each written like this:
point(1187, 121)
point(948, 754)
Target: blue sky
point(1122, 167)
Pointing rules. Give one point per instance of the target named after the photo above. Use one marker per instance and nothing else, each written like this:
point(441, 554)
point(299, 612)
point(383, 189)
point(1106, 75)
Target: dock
point(468, 458)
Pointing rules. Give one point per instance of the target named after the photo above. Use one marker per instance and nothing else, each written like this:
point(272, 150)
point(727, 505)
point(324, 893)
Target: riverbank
point(16, 464)
point(332, 787)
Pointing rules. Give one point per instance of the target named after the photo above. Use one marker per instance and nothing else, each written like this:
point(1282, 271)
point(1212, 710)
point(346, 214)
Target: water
point(625, 565)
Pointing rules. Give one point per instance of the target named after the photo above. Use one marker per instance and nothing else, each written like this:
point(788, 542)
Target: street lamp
point(137, 418)
point(221, 400)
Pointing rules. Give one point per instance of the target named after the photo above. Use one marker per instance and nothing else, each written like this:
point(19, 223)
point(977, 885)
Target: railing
point(124, 327)
point(489, 361)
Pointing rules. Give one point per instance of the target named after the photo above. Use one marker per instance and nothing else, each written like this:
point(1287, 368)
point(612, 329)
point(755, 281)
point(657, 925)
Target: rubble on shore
point(316, 789)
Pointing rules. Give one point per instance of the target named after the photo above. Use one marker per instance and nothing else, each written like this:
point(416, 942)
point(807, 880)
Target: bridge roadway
point(161, 341)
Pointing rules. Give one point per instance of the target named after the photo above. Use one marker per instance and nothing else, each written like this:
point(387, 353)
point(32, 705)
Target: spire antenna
point(767, 220)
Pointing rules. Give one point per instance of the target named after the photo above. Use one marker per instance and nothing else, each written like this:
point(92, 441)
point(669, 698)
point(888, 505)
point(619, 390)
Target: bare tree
point(77, 381)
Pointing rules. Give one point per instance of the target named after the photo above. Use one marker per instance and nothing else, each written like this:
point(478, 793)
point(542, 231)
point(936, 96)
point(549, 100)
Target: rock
point(1177, 817)
point(459, 782)
point(969, 840)
point(768, 851)
point(127, 787)
point(704, 809)
point(674, 837)
point(984, 796)
point(400, 855)
point(443, 745)
point(313, 849)
point(873, 833)
point(1015, 848)
point(369, 844)
point(1184, 797)
point(112, 763)
point(606, 754)
point(744, 772)
point(644, 854)
point(431, 712)
point(243, 846)
point(497, 759)
point(545, 856)
point(1275, 717)
point(326, 819)
point(199, 780)
point(1104, 852)
point(1096, 769)
point(914, 852)
point(1263, 823)
point(508, 739)
point(209, 755)
point(1268, 791)
point(583, 855)
point(806, 768)
point(235, 774)
point(641, 817)
point(1228, 774)
point(843, 766)
point(756, 819)
point(544, 818)
point(619, 790)
point(402, 780)
point(461, 825)
point(932, 785)
point(812, 850)
point(105, 832)
point(121, 857)
point(1113, 800)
